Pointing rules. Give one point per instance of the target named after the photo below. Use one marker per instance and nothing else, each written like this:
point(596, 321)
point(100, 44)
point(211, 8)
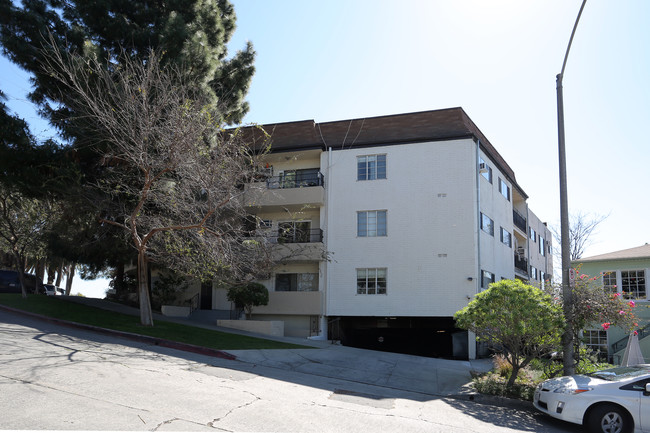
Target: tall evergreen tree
point(189, 32)
point(192, 35)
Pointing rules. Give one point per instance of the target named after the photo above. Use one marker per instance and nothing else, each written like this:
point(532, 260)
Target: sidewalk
point(440, 377)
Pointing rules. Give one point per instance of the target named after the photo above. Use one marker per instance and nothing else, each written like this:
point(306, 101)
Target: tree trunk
point(69, 276)
point(146, 316)
point(20, 268)
point(59, 275)
point(40, 270)
point(513, 376)
point(51, 271)
point(118, 283)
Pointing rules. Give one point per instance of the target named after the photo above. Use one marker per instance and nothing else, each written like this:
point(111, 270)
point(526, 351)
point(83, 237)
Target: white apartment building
point(397, 222)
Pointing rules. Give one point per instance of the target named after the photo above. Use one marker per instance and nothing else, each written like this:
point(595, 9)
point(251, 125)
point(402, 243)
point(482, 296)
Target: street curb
point(154, 341)
point(493, 400)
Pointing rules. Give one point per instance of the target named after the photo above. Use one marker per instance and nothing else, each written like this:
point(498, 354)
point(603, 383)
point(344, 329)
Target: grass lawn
point(58, 308)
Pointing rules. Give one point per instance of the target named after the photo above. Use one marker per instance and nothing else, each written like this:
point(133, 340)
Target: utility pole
point(567, 292)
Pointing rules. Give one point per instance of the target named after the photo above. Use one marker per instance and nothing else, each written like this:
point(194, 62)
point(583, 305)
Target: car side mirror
point(647, 389)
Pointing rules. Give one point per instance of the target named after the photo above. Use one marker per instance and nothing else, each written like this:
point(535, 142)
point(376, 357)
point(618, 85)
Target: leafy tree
point(168, 288)
point(170, 177)
point(247, 296)
point(191, 33)
point(514, 318)
point(23, 224)
point(593, 306)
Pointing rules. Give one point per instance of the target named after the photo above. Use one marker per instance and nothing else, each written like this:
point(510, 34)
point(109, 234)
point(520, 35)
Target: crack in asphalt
point(216, 420)
point(40, 385)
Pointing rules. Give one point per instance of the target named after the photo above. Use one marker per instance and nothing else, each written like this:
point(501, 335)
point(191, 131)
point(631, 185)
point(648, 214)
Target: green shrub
point(494, 383)
point(248, 295)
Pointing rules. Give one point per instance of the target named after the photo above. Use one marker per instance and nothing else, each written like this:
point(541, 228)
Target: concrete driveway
point(433, 376)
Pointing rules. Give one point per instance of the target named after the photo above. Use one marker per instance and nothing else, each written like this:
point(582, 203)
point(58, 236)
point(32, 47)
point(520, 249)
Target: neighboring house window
point(504, 189)
point(609, 282)
point(487, 225)
point(533, 234)
point(542, 250)
point(633, 284)
point(533, 273)
point(487, 278)
point(485, 169)
point(596, 341)
point(506, 238)
point(371, 167)
point(371, 223)
point(371, 281)
point(296, 282)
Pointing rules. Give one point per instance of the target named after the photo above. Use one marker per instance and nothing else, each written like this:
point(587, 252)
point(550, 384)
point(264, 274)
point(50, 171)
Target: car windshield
point(621, 373)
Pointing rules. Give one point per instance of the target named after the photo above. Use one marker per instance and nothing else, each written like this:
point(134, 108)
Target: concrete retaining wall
point(270, 327)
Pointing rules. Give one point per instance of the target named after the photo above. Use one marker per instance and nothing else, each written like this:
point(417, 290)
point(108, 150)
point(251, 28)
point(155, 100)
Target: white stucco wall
point(496, 257)
point(430, 198)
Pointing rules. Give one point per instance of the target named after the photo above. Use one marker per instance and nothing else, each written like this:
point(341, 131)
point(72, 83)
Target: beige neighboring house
point(624, 271)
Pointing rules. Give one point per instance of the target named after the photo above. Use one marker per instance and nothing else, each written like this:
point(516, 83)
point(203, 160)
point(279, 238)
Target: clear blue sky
point(497, 59)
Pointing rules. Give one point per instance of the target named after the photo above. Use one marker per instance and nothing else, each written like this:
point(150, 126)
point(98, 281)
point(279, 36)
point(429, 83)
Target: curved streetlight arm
point(575, 26)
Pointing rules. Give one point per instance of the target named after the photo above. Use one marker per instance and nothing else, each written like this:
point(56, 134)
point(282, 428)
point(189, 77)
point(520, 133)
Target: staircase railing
point(622, 343)
point(194, 303)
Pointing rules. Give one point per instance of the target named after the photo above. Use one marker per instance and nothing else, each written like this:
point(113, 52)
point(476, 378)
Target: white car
point(50, 289)
point(616, 400)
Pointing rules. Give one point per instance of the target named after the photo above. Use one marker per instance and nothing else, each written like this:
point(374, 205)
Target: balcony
point(295, 244)
point(292, 187)
point(519, 221)
point(521, 265)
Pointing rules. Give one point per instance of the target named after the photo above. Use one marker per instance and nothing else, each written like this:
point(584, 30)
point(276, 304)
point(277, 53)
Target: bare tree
point(581, 227)
point(168, 174)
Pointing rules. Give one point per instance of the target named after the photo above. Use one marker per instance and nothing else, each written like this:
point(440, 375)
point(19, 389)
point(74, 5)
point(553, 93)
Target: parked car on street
point(615, 400)
point(9, 283)
point(50, 289)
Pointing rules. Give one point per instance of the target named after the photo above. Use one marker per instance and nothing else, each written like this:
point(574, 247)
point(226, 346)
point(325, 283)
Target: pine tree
point(188, 32)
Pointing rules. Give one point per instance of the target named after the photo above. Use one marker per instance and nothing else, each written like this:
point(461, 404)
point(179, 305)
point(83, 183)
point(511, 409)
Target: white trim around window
point(371, 281)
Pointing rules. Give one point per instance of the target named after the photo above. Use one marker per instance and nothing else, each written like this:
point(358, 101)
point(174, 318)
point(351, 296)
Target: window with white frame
point(596, 340)
point(487, 278)
point(371, 223)
point(533, 234)
point(504, 189)
point(541, 249)
point(533, 273)
point(506, 237)
point(371, 167)
point(487, 225)
point(633, 284)
point(485, 169)
point(609, 282)
point(371, 281)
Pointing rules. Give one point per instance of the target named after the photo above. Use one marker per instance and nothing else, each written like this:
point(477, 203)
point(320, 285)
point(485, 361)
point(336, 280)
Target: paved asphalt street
point(56, 377)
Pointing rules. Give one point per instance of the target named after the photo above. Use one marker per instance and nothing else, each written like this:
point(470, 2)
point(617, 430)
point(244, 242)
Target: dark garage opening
point(435, 337)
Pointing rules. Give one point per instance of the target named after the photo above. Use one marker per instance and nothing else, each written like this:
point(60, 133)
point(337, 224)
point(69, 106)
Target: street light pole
point(567, 293)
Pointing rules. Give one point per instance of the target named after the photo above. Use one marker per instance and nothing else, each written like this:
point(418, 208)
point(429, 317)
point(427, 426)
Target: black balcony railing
point(296, 179)
point(521, 264)
point(297, 236)
point(519, 220)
